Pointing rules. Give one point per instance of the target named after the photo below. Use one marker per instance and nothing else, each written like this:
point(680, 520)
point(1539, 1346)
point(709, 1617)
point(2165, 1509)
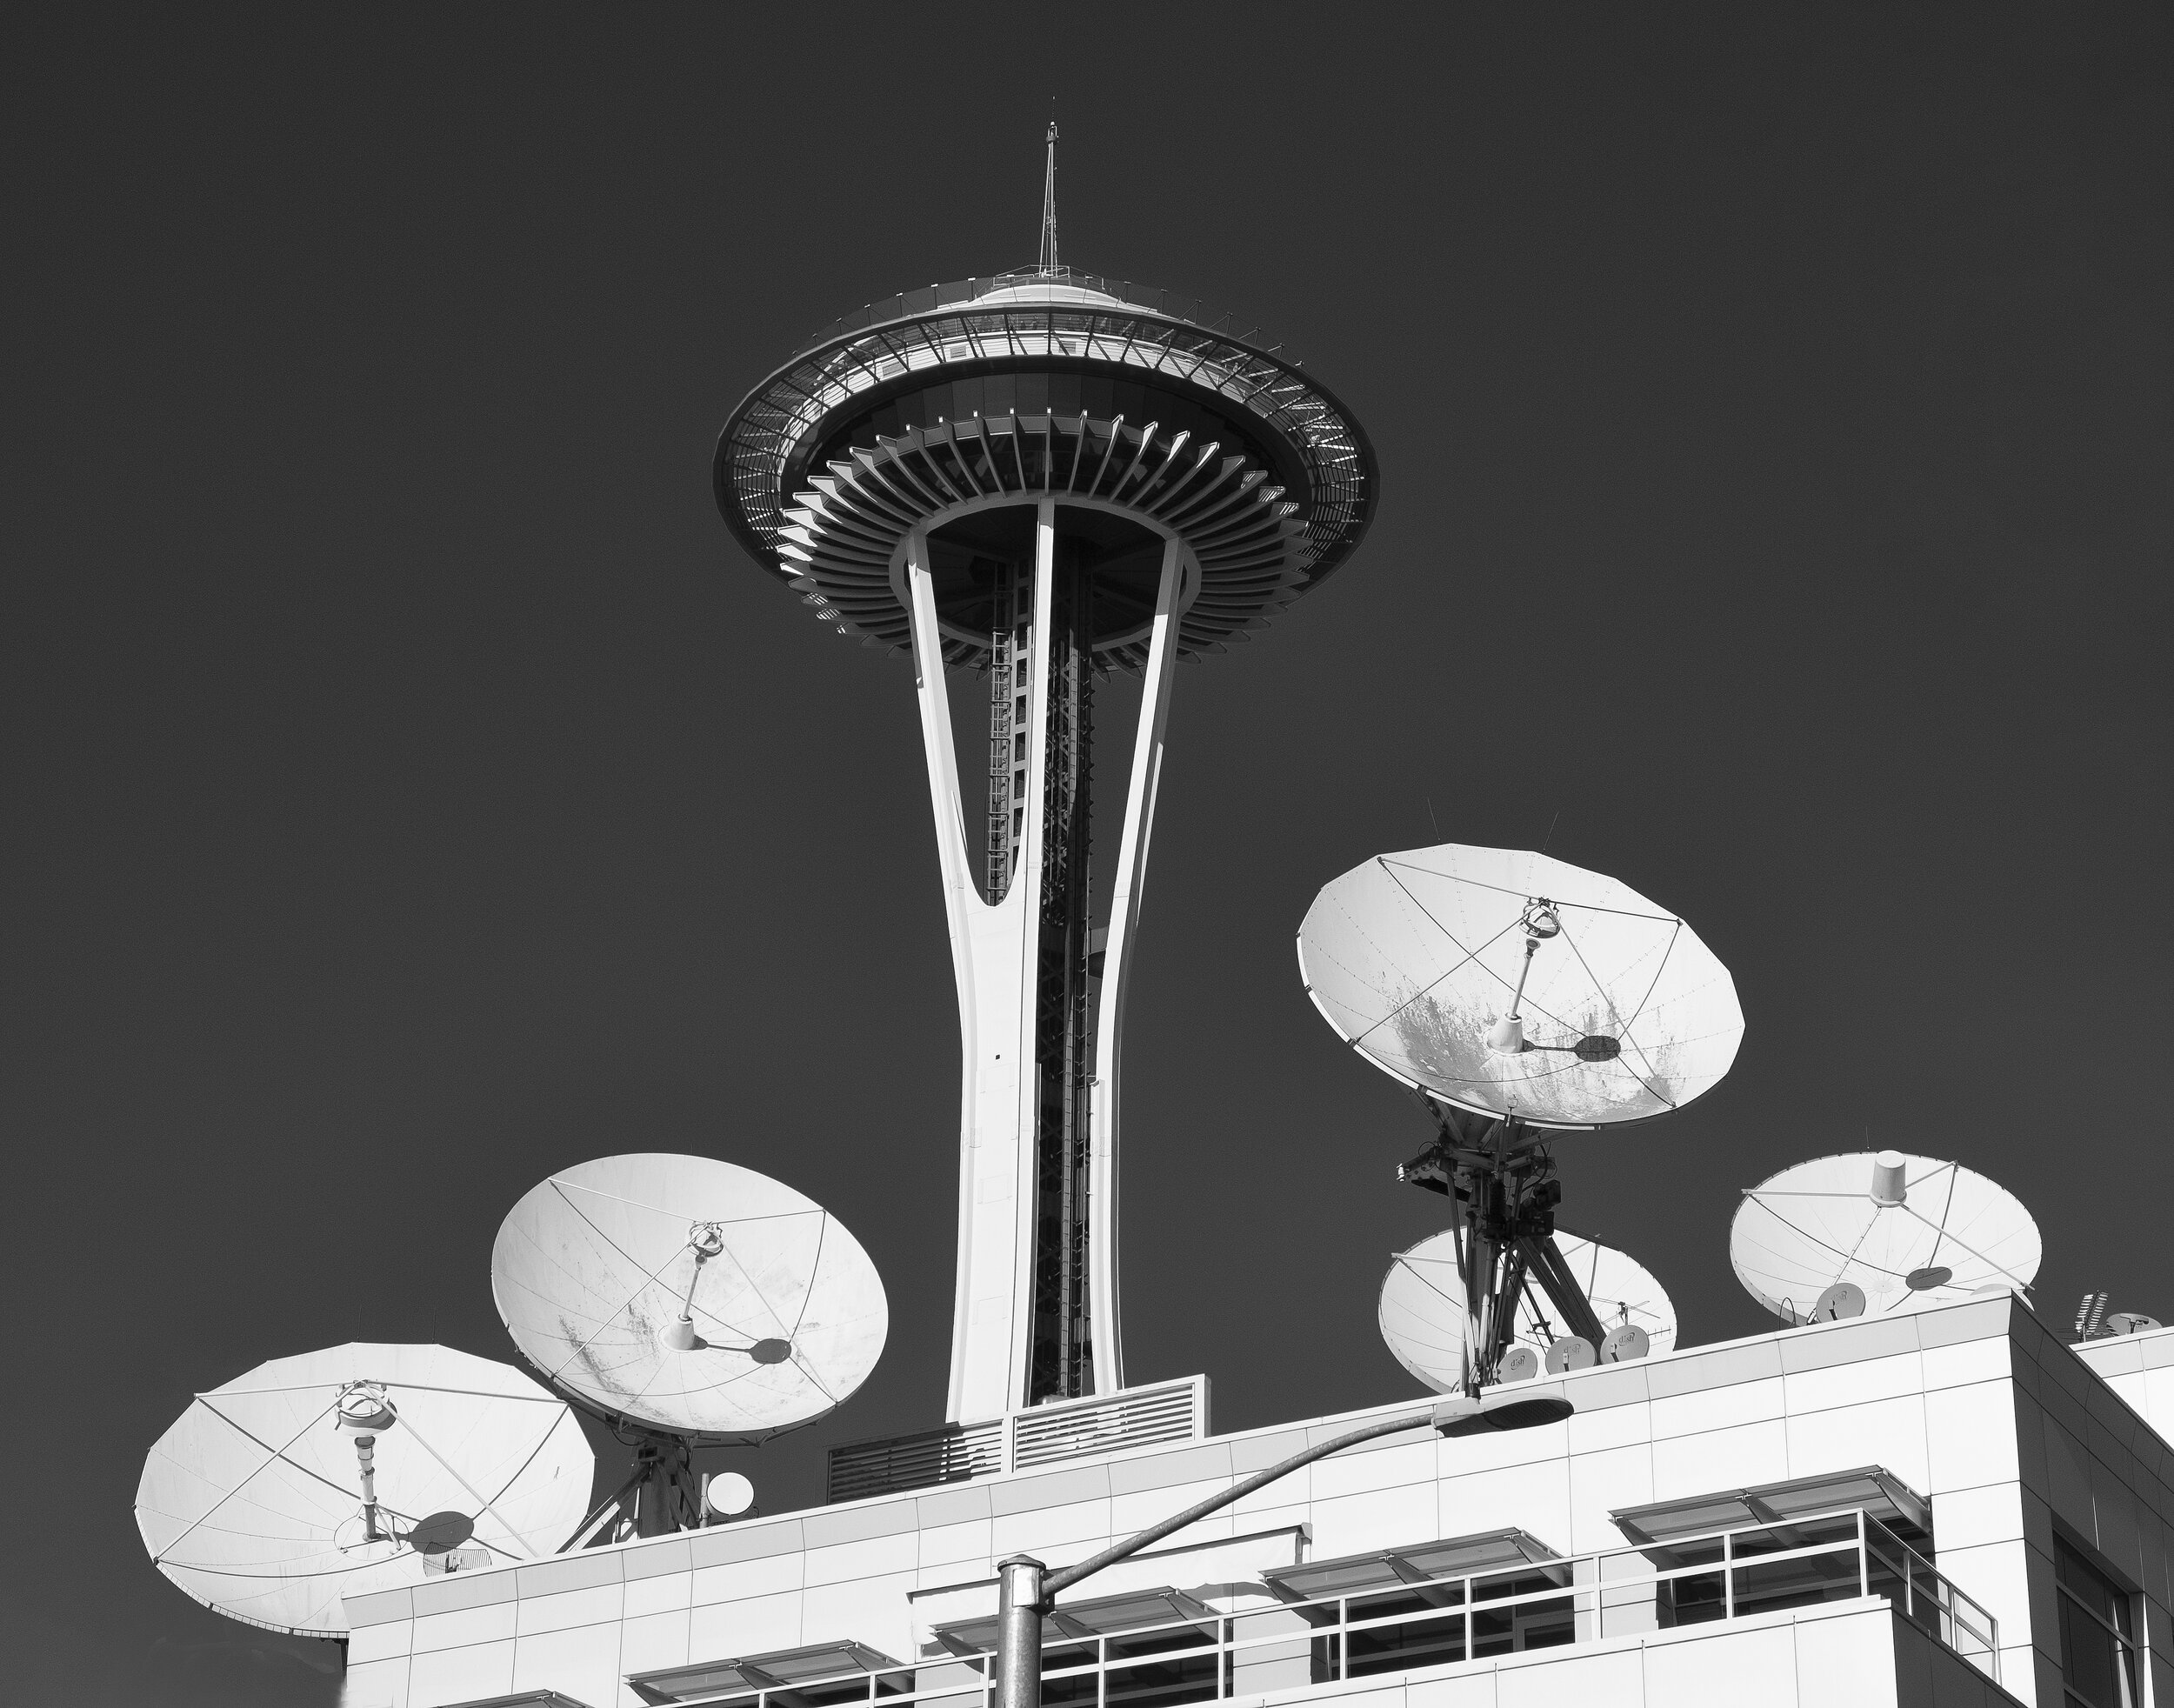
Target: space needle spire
point(1048, 263)
point(1040, 480)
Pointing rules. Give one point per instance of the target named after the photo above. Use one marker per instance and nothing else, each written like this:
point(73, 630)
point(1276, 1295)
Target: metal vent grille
point(1076, 1429)
point(1133, 1420)
point(863, 1468)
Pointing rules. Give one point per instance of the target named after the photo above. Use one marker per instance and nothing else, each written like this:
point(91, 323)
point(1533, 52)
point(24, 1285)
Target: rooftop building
point(1946, 1507)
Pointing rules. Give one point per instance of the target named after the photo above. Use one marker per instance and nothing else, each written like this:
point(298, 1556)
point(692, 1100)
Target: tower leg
point(1124, 914)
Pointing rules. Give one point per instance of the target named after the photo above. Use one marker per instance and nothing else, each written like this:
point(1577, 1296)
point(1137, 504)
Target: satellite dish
point(689, 1297)
point(1843, 1300)
point(728, 1495)
point(356, 1469)
point(1507, 983)
point(1571, 1351)
point(1879, 1234)
point(1423, 1312)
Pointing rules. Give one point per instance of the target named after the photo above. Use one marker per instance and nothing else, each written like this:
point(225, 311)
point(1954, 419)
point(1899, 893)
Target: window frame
point(2128, 1647)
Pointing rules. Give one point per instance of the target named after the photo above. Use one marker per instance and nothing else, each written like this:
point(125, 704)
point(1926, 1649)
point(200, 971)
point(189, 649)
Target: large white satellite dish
point(1909, 1232)
point(688, 1297)
point(354, 1469)
point(1508, 983)
point(1424, 1313)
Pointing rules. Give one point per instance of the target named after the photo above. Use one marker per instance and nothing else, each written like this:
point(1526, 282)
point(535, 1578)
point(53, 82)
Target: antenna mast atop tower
point(1048, 261)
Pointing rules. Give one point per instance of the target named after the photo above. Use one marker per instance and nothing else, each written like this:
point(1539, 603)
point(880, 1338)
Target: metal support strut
point(1499, 1174)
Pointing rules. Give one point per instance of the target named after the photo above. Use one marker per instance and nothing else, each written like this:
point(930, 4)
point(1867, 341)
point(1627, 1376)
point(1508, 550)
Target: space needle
point(1042, 477)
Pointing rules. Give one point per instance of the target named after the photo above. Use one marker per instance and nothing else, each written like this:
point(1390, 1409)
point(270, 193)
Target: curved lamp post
point(1026, 1588)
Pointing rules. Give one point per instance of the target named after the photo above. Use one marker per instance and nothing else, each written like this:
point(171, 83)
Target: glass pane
point(1528, 1581)
point(1547, 1625)
point(1417, 1600)
point(1747, 1543)
point(1770, 1586)
point(966, 1675)
point(842, 1689)
point(1055, 1656)
point(1633, 1607)
point(2092, 1663)
point(1701, 1550)
point(1882, 1576)
point(1273, 1652)
point(1414, 1643)
point(1162, 1684)
point(1073, 1687)
point(2090, 1586)
point(1158, 1642)
point(1692, 1600)
point(1494, 1631)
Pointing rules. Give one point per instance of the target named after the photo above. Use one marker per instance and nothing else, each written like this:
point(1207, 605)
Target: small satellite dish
point(1892, 1230)
point(354, 1469)
point(1571, 1352)
point(689, 1297)
point(2130, 1321)
point(1626, 1345)
point(1508, 983)
point(728, 1495)
point(1843, 1299)
point(1422, 1311)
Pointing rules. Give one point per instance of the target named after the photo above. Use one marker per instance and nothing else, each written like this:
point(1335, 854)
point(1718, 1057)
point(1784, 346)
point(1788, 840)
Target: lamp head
point(1463, 1414)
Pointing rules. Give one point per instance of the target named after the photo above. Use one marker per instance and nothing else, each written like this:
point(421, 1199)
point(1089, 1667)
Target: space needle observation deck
point(1043, 476)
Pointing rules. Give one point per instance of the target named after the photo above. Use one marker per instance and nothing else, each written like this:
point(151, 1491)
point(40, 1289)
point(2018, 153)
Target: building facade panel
point(583, 1662)
point(650, 1641)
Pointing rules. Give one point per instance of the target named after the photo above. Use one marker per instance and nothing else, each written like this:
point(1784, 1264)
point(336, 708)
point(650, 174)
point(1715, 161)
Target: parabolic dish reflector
point(1415, 959)
point(253, 1500)
point(1954, 1233)
point(689, 1296)
point(1422, 1309)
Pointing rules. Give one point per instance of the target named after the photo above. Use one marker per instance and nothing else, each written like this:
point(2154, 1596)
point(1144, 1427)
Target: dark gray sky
point(411, 789)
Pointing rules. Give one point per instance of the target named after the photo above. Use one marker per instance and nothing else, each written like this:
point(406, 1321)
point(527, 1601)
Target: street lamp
point(1025, 1588)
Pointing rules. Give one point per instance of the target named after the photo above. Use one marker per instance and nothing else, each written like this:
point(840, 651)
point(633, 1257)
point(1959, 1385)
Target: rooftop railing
point(1724, 1575)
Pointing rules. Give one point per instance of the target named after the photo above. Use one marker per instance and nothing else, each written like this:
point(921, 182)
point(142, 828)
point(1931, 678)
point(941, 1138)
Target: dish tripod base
point(1499, 1174)
point(662, 1495)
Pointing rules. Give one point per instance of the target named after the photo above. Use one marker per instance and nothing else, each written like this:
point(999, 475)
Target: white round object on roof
point(1953, 1235)
point(1617, 1013)
point(689, 1296)
point(728, 1494)
point(1423, 1318)
point(253, 1501)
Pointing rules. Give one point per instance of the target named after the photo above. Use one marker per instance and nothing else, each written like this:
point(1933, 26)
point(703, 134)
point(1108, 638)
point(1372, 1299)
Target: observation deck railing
point(1721, 1576)
point(961, 293)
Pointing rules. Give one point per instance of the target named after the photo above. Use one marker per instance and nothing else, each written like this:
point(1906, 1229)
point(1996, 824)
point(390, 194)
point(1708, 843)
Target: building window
point(2099, 1645)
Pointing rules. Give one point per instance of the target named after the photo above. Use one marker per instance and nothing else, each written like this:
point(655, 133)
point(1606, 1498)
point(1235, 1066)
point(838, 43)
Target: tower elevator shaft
point(1061, 1339)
